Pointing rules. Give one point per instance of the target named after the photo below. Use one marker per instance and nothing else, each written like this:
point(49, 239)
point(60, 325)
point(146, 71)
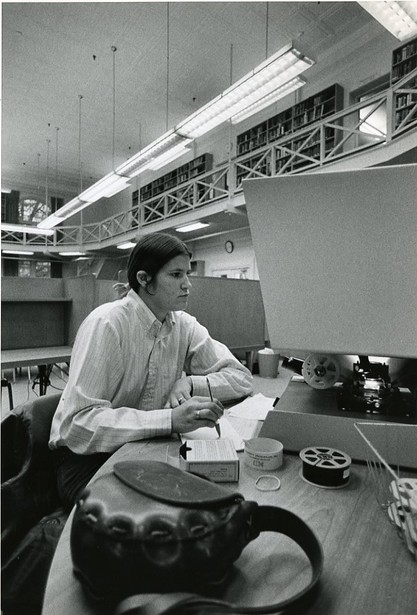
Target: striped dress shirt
point(124, 365)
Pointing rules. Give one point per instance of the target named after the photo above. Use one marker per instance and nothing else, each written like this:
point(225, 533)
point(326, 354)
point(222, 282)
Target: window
point(42, 269)
point(376, 123)
point(3, 207)
point(24, 269)
point(33, 269)
point(31, 211)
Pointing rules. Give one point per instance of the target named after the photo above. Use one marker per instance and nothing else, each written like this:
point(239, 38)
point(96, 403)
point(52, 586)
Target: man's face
point(170, 289)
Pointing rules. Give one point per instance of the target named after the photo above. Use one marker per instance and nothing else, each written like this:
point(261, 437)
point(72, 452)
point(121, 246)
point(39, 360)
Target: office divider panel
point(232, 310)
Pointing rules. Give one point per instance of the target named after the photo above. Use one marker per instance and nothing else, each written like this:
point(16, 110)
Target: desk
point(22, 357)
point(367, 569)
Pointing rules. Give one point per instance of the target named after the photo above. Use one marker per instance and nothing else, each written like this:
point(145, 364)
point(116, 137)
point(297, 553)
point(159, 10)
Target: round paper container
point(263, 453)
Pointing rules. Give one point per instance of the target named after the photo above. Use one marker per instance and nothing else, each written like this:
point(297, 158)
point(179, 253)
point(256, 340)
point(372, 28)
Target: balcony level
point(346, 140)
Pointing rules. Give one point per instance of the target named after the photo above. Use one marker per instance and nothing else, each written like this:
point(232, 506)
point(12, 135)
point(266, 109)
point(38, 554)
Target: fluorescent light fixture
point(170, 155)
point(269, 99)
point(6, 190)
point(21, 228)
point(71, 253)
point(126, 246)
point(66, 211)
point(166, 146)
point(274, 72)
point(19, 252)
point(399, 18)
point(106, 187)
point(191, 227)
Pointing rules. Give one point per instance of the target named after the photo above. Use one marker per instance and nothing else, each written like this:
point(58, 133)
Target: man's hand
point(194, 413)
point(181, 392)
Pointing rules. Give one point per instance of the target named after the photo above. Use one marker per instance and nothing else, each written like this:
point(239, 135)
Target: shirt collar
point(146, 315)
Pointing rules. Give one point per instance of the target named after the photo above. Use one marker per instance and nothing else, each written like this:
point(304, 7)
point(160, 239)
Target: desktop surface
point(22, 357)
point(361, 548)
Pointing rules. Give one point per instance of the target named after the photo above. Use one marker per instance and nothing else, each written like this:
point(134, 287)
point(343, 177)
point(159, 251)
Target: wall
point(218, 261)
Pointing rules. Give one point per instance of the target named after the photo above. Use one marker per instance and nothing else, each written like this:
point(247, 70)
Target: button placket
point(154, 361)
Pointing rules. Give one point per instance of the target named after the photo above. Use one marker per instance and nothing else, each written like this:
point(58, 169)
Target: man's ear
point(143, 278)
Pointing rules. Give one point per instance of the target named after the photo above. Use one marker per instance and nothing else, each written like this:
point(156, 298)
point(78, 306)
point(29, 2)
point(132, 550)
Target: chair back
point(28, 488)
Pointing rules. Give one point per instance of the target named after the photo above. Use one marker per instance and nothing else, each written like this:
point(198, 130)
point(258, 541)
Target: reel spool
point(325, 467)
point(320, 371)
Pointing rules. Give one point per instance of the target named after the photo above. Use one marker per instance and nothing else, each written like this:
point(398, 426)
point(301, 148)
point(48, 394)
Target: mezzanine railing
point(333, 138)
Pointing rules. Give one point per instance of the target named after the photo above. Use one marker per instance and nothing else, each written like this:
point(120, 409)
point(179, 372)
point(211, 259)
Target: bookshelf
point(174, 178)
point(404, 60)
point(306, 113)
point(311, 110)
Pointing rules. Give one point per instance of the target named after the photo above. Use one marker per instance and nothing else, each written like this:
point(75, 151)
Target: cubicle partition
point(48, 312)
point(231, 309)
point(34, 313)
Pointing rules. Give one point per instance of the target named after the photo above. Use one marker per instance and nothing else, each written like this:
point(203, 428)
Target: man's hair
point(151, 253)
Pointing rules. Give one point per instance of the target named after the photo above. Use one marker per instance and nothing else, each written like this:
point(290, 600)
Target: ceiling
point(170, 59)
point(54, 52)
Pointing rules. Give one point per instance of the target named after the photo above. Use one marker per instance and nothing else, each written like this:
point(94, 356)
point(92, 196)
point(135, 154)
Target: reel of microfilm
point(325, 467)
point(320, 371)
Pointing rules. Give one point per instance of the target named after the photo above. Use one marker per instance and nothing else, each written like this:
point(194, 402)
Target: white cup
point(263, 453)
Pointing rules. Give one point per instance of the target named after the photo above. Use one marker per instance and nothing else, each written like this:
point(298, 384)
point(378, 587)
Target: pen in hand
point(217, 426)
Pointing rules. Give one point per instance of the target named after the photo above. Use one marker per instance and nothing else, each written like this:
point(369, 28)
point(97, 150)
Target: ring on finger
point(180, 400)
point(197, 414)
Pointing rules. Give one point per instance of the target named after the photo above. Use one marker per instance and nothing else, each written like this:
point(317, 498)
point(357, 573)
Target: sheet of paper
point(246, 428)
point(209, 433)
point(254, 407)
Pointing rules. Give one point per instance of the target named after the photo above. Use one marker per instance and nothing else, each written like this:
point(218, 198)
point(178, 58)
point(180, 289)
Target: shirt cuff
point(158, 423)
point(200, 386)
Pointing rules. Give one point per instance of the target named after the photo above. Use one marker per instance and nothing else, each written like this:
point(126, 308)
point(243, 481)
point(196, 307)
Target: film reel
point(325, 467)
point(320, 371)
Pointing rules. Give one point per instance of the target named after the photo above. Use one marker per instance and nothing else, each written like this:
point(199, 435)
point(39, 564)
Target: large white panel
point(337, 259)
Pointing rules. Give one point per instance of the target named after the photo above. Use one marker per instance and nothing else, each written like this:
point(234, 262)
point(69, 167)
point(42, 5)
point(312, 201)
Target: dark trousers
point(74, 471)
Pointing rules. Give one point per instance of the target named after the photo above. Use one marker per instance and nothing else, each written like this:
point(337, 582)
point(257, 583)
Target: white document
point(209, 433)
point(255, 407)
point(246, 428)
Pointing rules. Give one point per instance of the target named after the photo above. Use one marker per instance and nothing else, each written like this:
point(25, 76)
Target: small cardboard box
point(214, 459)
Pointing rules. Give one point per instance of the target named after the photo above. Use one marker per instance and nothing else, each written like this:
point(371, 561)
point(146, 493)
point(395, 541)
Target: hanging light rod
point(399, 18)
point(21, 228)
point(266, 80)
